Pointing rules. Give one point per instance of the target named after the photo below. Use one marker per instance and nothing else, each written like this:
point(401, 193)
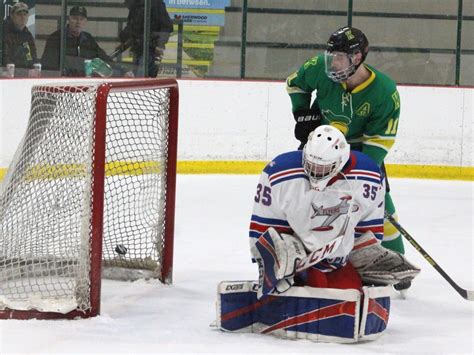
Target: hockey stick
point(466, 294)
point(268, 278)
point(318, 255)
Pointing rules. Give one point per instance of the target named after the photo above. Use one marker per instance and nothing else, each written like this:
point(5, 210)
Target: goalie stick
point(272, 276)
point(466, 294)
point(268, 278)
point(317, 255)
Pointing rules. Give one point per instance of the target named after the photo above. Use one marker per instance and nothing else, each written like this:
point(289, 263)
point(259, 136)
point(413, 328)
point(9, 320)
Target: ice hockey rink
point(212, 217)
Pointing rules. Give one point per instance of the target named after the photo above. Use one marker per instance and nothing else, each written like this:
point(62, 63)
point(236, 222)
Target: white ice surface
point(212, 217)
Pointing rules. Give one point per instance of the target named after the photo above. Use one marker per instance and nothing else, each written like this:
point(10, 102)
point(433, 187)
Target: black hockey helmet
point(350, 41)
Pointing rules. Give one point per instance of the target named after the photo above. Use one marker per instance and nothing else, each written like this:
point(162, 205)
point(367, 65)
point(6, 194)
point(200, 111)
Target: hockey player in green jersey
point(354, 97)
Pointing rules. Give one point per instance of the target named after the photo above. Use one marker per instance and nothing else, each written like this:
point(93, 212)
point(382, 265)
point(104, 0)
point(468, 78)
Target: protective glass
point(339, 66)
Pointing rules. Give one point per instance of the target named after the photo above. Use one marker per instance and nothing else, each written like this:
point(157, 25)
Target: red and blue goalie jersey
point(350, 205)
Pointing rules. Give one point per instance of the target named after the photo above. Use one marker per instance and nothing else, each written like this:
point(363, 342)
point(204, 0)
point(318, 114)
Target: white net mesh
point(46, 197)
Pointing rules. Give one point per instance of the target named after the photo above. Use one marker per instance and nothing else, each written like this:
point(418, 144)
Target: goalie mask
point(324, 156)
point(343, 45)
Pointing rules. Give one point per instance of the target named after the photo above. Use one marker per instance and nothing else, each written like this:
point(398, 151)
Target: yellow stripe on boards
point(393, 170)
point(239, 167)
point(221, 167)
point(56, 171)
point(437, 172)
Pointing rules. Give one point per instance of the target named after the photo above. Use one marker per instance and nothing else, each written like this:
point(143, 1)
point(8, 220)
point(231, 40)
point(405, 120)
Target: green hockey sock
point(392, 238)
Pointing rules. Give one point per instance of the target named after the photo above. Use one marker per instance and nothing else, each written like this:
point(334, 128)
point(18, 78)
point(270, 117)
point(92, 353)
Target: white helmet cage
point(325, 154)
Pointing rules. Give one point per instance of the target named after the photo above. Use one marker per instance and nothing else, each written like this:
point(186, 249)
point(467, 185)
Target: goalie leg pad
point(277, 255)
point(378, 265)
point(375, 312)
point(317, 314)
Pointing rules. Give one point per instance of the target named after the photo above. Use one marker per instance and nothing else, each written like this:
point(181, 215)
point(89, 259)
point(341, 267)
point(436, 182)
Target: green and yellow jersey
point(368, 115)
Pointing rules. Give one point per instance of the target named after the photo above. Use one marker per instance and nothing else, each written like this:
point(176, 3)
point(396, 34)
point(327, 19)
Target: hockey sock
point(392, 239)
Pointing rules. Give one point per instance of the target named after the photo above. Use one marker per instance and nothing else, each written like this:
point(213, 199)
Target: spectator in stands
point(19, 45)
point(132, 35)
point(80, 45)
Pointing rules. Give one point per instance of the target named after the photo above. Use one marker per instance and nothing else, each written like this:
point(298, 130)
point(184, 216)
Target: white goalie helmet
point(324, 155)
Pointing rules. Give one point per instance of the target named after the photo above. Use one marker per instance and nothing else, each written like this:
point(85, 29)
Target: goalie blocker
point(316, 314)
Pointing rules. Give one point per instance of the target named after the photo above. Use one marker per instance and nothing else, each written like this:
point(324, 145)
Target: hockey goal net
point(90, 191)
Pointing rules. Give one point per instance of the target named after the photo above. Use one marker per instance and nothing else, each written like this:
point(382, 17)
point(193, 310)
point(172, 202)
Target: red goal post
point(91, 191)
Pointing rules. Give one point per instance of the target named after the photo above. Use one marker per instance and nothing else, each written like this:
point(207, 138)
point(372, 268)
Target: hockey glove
point(378, 265)
point(307, 120)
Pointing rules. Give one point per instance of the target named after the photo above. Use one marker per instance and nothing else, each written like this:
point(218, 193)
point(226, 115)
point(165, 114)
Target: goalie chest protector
point(317, 314)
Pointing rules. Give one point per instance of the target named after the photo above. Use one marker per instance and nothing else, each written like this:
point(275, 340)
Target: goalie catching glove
point(277, 256)
point(378, 265)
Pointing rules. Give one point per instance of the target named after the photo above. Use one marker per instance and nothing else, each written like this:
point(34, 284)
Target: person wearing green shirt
point(354, 97)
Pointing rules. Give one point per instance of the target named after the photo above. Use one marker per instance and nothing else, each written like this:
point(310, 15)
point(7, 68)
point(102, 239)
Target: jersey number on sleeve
point(392, 126)
point(370, 191)
point(264, 194)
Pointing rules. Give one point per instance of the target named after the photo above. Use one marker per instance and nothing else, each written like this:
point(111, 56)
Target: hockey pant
point(343, 278)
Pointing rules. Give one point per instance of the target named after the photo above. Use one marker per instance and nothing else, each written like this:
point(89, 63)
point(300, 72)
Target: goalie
point(307, 199)
point(318, 221)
